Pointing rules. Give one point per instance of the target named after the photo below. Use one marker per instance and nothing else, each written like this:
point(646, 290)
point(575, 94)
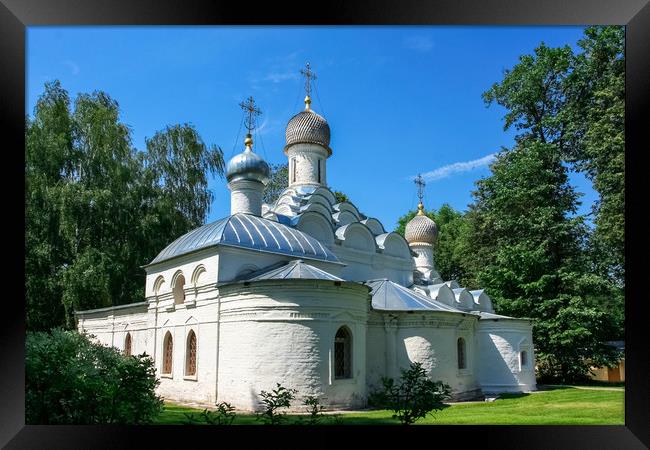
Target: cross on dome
point(419, 182)
point(309, 76)
point(252, 112)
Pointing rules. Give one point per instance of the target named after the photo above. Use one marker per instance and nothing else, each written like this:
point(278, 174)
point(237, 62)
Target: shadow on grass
point(552, 387)
point(507, 395)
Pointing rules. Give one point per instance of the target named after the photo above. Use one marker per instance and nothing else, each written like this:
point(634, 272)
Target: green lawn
point(557, 406)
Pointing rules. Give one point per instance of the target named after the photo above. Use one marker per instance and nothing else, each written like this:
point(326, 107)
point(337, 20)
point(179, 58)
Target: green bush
point(278, 398)
point(70, 379)
point(223, 415)
point(414, 397)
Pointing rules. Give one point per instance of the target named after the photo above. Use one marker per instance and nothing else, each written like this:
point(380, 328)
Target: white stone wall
point(305, 157)
point(246, 197)
point(432, 340)
point(500, 342)
point(362, 266)
point(202, 319)
point(111, 325)
point(198, 269)
point(282, 333)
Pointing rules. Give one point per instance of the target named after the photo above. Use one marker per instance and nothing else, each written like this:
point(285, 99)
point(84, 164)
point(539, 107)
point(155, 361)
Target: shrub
point(278, 398)
point(414, 397)
point(223, 415)
point(70, 379)
point(314, 408)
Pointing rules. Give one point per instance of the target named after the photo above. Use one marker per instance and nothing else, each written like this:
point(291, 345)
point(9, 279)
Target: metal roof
point(387, 295)
point(251, 232)
point(297, 269)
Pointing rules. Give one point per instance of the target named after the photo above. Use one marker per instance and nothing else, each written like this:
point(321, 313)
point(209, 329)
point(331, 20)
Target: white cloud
point(458, 167)
point(74, 68)
point(419, 43)
point(278, 77)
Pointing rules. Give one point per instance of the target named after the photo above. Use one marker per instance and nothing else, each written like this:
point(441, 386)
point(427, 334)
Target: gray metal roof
point(390, 296)
point(297, 269)
point(251, 232)
point(487, 315)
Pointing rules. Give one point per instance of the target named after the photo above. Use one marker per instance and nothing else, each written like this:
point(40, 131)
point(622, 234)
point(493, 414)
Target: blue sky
point(400, 100)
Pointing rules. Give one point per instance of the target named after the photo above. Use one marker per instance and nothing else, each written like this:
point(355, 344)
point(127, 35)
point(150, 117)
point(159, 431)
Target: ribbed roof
point(251, 232)
point(390, 296)
point(421, 229)
point(296, 269)
point(309, 127)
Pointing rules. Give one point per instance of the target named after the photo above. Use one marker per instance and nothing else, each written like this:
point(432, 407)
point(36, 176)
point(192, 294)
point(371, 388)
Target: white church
point(310, 293)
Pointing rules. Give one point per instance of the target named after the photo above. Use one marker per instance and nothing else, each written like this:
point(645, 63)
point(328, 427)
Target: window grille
point(461, 353)
point(342, 354)
point(190, 368)
point(127, 344)
point(167, 361)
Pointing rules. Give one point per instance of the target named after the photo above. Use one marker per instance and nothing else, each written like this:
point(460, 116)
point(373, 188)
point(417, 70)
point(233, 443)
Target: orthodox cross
point(252, 111)
point(309, 75)
point(419, 181)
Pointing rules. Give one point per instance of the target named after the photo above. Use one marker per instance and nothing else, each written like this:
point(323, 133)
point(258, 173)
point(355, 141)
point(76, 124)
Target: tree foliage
point(533, 253)
point(414, 397)
point(70, 379)
point(96, 209)
point(278, 182)
point(530, 256)
point(577, 103)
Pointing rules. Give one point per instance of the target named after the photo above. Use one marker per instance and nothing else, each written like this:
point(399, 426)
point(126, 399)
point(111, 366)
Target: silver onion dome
point(308, 127)
point(421, 229)
point(248, 166)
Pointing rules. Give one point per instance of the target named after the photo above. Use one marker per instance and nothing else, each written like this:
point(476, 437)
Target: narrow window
point(343, 353)
point(524, 358)
point(319, 170)
point(293, 170)
point(461, 353)
point(167, 353)
point(127, 344)
point(190, 358)
point(179, 290)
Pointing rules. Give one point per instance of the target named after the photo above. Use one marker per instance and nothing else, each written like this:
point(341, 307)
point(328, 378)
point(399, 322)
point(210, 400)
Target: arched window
point(461, 353)
point(343, 353)
point(168, 351)
point(179, 289)
point(190, 354)
point(524, 358)
point(127, 344)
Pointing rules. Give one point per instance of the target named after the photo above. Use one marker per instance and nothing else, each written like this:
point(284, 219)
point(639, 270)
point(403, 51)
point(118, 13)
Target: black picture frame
point(15, 15)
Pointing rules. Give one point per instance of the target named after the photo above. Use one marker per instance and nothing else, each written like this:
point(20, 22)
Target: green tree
point(577, 103)
point(71, 379)
point(597, 107)
point(530, 256)
point(96, 209)
point(278, 182)
point(341, 197)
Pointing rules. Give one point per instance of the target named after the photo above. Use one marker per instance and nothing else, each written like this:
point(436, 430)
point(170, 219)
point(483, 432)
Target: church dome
point(421, 229)
point(308, 127)
point(248, 166)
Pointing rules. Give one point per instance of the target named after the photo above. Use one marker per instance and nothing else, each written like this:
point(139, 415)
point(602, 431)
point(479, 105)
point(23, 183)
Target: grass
point(560, 405)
